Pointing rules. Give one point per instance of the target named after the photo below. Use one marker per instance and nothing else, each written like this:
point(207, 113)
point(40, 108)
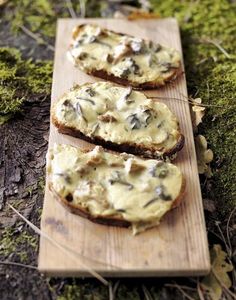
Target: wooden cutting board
point(178, 247)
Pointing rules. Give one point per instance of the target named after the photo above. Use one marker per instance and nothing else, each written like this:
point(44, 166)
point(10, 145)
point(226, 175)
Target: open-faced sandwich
point(118, 118)
point(111, 189)
point(123, 58)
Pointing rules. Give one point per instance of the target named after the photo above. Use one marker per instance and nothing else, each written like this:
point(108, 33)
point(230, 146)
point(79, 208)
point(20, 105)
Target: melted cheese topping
point(123, 56)
point(118, 115)
point(105, 184)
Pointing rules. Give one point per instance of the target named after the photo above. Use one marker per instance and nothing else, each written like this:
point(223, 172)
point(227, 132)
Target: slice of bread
point(119, 119)
point(114, 189)
point(123, 59)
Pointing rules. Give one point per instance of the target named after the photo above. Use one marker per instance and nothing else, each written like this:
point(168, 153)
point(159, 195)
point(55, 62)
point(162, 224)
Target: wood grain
point(179, 245)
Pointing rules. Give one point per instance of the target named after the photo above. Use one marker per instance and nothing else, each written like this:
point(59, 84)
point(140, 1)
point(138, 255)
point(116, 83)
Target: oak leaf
point(197, 112)
point(204, 156)
point(218, 277)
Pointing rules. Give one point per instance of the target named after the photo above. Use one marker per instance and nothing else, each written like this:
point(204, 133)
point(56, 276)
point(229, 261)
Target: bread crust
point(116, 220)
point(81, 211)
point(175, 72)
point(151, 85)
point(136, 149)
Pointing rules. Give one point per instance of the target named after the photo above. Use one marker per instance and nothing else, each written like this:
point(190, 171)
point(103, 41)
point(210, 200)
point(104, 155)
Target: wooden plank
point(179, 245)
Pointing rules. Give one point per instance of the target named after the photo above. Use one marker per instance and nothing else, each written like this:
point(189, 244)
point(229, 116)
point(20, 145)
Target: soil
point(23, 146)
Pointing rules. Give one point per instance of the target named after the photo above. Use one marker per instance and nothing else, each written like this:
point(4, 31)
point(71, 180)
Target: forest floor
point(27, 31)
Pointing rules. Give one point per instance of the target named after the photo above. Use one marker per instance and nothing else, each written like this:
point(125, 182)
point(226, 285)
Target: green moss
point(9, 65)
point(211, 75)
point(41, 183)
point(39, 77)
point(40, 16)
point(16, 243)
point(5, 118)
point(19, 80)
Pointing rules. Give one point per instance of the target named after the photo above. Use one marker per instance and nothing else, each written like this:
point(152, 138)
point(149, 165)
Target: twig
point(223, 238)
point(82, 8)
point(184, 287)
point(189, 101)
point(36, 37)
point(116, 285)
point(146, 293)
point(216, 234)
point(178, 287)
point(71, 9)
point(31, 34)
point(208, 90)
point(110, 291)
point(227, 230)
point(230, 245)
point(215, 43)
point(12, 263)
point(185, 294)
point(199, 291)
point(207, 105)
point(201, 61)
point(61, 247)
point(72, 250)
point(167, 98)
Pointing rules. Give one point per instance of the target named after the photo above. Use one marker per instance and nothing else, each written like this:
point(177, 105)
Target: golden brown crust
point(79, 210)
point(137, 149)
point(138, 86)
point(175, 72)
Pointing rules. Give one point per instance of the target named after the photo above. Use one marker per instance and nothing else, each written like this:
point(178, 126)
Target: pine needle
point(223, 237)
point(199, 291)
point(217, 45)
point(227, 230)
point(71, 9)
point(115, 288)
point(178, 287)
point(37, 38)
point(189, 100)
point(146, 293)
point(110, 291)
point(82, 8)
point(12, 263)
point(59, 246)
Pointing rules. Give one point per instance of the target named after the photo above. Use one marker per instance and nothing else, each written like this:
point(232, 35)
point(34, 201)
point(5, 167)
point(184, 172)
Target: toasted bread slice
point(119, 119)
point(112, 189)
point(122, 58)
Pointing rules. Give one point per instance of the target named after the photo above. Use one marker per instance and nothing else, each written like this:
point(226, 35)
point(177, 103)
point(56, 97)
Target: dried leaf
point(68, 251)
point(197, 112)
point(218, 276)
point(204, 156)
point(134, 13)
point(141, 14)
